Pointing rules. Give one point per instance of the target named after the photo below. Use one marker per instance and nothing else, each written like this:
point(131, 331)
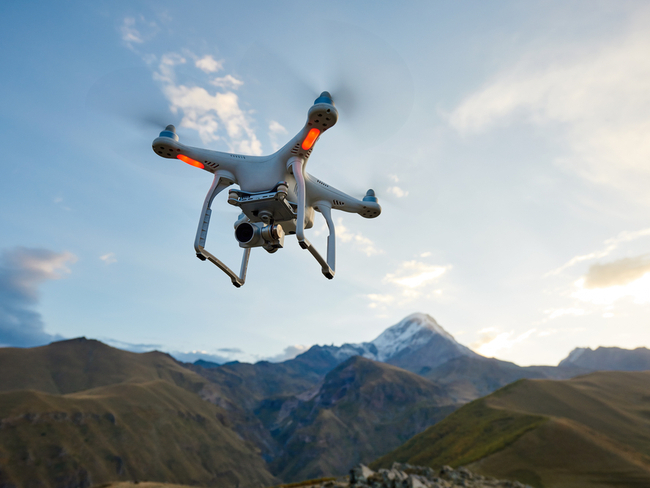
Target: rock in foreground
point(408, 476)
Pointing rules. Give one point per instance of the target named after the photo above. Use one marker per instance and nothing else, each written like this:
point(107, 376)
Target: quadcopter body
point(276, 196)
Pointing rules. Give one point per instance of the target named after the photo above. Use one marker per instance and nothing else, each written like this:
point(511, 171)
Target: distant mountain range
point(609, 359)
point(78, 413)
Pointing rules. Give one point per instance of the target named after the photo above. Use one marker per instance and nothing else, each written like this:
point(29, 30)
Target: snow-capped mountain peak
point(416, 343)
point(412, 331)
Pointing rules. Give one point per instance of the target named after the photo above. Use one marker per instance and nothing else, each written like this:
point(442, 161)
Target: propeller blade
point(370, 83)
point(132, 95)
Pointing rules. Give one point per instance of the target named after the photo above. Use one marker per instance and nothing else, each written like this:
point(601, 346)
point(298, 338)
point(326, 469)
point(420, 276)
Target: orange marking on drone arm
point(310, 139)
point(190, 161)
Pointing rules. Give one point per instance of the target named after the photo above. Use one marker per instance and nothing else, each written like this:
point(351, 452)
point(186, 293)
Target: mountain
point(468, 378)
point(80, 364)
point(417, 343)
point(362, 409)
point(128, 431)
point(76, 413)
point(609, 359)
point(591, 431)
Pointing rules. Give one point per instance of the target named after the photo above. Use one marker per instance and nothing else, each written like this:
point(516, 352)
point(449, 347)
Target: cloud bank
point(22, 271)
point(598, 100)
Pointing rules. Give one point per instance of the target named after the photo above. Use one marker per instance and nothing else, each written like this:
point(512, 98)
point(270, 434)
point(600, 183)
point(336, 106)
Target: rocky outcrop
point(408, 476)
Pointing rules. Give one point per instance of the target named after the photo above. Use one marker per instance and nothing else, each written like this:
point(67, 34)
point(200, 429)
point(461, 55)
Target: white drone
point(276, 195)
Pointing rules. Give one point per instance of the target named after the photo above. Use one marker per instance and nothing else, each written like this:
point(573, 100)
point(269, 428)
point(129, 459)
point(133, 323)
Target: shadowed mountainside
point(362, 409)
point(468, 378)
point(591, 431)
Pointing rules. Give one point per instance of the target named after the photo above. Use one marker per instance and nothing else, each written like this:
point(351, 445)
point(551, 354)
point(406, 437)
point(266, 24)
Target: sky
point(507, 143)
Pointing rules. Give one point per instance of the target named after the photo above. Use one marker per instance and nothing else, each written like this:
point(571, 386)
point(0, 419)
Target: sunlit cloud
point(206, 112)
point(208, 64)
point(610, 246)
point(491, 341)
point(414, 274)
point(108, 258)
point(638, 291)
point(364, 244)
point(599, 99)
point(617, 273)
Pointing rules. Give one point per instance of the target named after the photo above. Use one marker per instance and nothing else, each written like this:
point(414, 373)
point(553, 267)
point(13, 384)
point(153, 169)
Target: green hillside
point(591, 431)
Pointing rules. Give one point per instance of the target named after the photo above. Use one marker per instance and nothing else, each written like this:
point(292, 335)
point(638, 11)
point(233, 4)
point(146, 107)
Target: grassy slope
point(80, 364)
point(73, 387)
point(471, 433)
point(362, 410)
point(592, 431)
point(145, 431)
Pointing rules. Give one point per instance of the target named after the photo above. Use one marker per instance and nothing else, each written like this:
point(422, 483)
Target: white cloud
point(397, 191)
point(289, 352)
point(208, 64)
point(206, 112)
point(364, 244)
point(129, 33)
point(109, 258)
point(412, 280)
point(228, 81)
point(276, 130)
point(598, 100)
point(137, 30)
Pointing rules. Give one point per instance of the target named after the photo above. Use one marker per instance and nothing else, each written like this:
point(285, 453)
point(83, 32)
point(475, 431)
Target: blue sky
point(507, 143)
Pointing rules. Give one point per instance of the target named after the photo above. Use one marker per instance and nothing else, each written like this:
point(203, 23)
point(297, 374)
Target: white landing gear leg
point(220, 183)
point(296, 164)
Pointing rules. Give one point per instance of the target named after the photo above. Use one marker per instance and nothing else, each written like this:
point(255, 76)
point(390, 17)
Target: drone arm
point(296, 164)
point(222, 180)
point(317, 190)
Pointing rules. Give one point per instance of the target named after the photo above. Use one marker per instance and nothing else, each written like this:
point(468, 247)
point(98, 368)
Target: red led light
point(190, 161)
point(310, 139)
